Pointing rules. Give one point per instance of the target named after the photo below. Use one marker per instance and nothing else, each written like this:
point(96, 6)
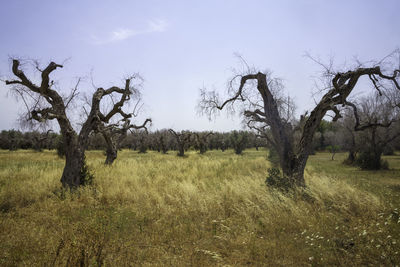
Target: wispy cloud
point(121, 34)
point(158, 25)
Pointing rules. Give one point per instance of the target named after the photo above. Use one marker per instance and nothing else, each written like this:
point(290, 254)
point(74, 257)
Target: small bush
point(368, 160)
point(86, 176)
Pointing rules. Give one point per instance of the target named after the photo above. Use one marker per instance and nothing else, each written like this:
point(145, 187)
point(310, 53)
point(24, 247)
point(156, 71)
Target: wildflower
point(364, 232)
point(389, 236)
point(378, 246)
point(310, 258)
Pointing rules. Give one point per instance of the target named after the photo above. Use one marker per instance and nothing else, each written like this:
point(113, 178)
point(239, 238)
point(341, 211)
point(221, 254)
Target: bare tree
point(349, 135)
point(44, 103)
point(183, 139)
point(202, 143)
point(114, 134)
point(239, 141)
point(255, 93)
point(375, 118)
point(163, 140)
point(39, 139)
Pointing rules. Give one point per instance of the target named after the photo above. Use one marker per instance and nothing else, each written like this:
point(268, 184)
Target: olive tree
point(115, 134)
point(183, 139)
point(376, 120)
point(44, 103)
point(202, 141)
point(255, 92)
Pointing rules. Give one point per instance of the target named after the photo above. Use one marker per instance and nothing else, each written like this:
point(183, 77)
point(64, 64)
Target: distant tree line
point(364, 147)
point(14, 139)
point(162, 141)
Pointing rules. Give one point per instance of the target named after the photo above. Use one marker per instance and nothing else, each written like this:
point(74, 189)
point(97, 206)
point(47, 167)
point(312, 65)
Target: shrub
point(368, 160)
point(86, 176)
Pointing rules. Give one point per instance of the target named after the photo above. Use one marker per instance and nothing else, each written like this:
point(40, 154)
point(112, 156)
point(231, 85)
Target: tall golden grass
point(202, 210)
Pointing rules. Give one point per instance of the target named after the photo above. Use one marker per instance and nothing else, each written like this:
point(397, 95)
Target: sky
point(181, 46)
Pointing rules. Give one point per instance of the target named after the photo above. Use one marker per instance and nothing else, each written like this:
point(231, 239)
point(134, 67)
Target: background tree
point(349, 142)
point(44, 103)
point(239, 141)
point(39, 140)
point(143, 140)
point(202, 141)
point(256, 94)
point(114, 135)
point(115, 132)
point(376, 119)
point(164, 141)
point(183, 139)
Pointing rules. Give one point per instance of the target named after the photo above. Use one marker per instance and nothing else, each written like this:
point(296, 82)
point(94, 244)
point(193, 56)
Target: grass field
point(202, 210)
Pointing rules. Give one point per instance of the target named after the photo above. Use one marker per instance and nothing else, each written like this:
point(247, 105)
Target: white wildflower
point(364, 232)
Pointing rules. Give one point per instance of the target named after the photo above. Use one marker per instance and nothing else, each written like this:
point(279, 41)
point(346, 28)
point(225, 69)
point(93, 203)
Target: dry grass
point(211, 209)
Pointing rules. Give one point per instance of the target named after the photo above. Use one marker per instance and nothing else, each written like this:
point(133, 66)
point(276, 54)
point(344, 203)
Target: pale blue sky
point(180, 46)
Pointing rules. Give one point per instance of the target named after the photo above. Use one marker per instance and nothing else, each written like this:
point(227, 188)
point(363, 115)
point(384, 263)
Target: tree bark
point(74, 172)
point(111, 154)
point(181, 149)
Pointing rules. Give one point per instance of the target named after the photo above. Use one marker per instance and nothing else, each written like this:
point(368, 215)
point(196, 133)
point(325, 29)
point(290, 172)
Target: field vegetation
point(212, 209)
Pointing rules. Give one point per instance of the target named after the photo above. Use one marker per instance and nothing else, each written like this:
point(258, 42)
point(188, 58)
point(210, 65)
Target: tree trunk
point(181, 150)
point(112, 150)
point(377, 151)
point(293, 169)
point(111, 155)
point(351, 157)
point(74, 170)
